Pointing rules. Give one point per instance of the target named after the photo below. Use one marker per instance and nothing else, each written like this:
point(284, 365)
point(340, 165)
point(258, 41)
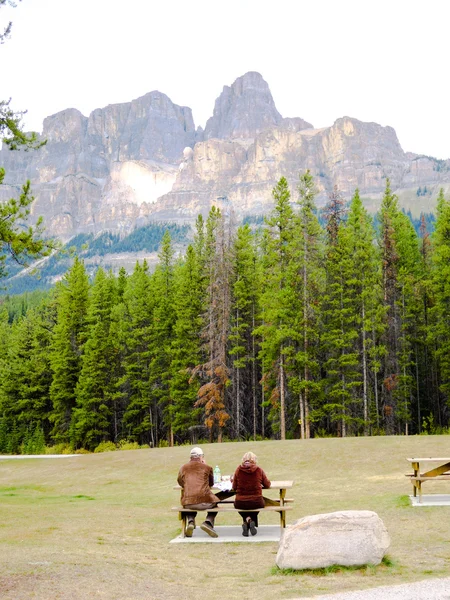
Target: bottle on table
point(217, 474)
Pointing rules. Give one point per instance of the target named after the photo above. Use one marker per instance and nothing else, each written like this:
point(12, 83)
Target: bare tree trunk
point(282, 401)
point(253, 373)
point(344, 424)
point(376, 399)
point(406, 402)
point(364, 358)
point(152, 437)
point(238, 416)
point(263, 429)
point(419, 427)
point(305, 343)
point(302, 416)
point(376, 387)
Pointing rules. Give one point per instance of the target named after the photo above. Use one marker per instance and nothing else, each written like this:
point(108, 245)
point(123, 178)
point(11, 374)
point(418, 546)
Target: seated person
point(248, 482)
point(196, 478)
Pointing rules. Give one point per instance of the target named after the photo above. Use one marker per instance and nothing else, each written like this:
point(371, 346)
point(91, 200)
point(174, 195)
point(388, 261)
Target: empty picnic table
point(440, 472)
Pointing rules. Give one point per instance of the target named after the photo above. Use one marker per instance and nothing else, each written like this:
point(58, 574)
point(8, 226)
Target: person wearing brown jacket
point(196, 479)
point(248, 482)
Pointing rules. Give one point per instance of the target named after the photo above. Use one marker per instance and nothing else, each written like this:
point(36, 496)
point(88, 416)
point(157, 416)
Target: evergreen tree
point(16, 242)
point(26, 376)
point(339, 312)
point(68, 340)
point(186, 344)
point(245, 286)
point(363, 292)
point(440, 312)
point(214, 371)
point(161, 337)
point(400, 257)
point(140, 418)
point(279, 303)
point(309, 259)
point(410, 308)
point(92, 418)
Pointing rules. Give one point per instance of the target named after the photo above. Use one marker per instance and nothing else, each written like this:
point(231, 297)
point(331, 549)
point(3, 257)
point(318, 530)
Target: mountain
point(144, 161)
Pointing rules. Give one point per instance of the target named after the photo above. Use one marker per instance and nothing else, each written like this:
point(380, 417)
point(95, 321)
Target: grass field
point(99, 525)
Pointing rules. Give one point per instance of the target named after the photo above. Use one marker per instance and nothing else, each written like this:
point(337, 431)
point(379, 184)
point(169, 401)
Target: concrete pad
point(431, 500)
point(233, 533)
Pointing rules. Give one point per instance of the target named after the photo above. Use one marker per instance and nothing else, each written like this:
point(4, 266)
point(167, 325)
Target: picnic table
point(280, 504)
point(440, 472)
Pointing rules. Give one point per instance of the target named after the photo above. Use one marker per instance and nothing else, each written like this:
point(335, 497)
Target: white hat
point(196, 452)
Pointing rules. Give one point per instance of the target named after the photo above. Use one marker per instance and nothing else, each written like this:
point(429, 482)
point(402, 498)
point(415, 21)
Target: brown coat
point(248, 482)
point(196, 478)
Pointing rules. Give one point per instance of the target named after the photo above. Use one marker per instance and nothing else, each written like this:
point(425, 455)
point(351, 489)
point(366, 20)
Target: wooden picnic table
point(280, 505)
point(440, 472)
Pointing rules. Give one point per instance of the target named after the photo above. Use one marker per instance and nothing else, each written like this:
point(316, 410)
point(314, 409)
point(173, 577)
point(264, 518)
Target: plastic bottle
point(217, 474)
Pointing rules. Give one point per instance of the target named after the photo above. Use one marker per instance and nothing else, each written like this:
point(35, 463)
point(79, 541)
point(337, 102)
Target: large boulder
point(347, 538)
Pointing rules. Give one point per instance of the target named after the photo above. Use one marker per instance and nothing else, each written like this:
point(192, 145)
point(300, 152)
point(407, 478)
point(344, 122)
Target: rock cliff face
point(143, 160)
point(243, 110)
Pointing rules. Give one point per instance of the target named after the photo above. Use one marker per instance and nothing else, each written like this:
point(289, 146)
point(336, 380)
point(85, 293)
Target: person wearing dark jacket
point(248, 483)
point(196, 479)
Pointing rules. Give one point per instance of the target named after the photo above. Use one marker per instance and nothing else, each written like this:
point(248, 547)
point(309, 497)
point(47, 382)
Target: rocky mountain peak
point(130, 163)
point(64, 125)
point(243, 110)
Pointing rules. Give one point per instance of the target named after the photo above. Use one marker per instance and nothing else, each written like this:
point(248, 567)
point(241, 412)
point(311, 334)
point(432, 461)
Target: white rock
point(347, 538)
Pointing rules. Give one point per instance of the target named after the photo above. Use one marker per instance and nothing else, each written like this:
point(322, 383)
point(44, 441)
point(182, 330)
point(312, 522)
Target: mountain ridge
point(127, 164)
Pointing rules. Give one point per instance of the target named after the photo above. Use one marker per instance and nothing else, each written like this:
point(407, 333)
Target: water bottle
point(217, 474)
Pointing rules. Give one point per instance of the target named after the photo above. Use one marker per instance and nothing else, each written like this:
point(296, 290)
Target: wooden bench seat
point(439, 473)
point(229, 507)
point(424, 478)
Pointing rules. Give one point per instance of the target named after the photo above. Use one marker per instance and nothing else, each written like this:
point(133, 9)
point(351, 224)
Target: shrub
point(128, 445)
point(106, 447)
point(321, 432)
point(58, 449)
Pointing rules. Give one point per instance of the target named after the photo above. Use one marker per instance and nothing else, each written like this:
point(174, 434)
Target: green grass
point(362, 570)
point(99, 525)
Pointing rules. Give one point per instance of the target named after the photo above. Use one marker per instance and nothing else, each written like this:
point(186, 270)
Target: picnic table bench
point(279, 505)
point(441, 472)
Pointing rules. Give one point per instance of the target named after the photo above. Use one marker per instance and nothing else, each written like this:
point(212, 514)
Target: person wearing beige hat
point(196, 479)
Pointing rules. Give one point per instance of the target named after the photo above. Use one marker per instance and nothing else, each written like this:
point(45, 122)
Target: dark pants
point(253, 516)
point(210, 515)
point(249, 504)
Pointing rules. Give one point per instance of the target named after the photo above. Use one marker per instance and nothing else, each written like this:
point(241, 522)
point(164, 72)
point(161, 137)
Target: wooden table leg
point(182, 517)
point(282, 513)
point(415, 466)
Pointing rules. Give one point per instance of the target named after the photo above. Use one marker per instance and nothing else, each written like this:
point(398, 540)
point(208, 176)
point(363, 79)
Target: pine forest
point(290, 328)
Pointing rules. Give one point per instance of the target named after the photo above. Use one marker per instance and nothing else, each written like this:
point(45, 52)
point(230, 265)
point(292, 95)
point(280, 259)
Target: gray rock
point(347, 538)
point(243, 110)
point(125, 164)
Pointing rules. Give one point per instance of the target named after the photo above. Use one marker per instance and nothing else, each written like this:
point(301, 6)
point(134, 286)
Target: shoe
point(189, 529)
point(209, 529)
point(245, 529)
point(252, 528)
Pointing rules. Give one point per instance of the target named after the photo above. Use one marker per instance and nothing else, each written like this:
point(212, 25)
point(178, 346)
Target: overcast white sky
point(375, 60)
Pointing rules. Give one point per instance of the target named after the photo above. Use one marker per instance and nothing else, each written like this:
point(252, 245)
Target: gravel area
point(23, 456)
point(430, 589)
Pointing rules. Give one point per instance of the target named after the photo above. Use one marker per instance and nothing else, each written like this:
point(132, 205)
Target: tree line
point(291, 329)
